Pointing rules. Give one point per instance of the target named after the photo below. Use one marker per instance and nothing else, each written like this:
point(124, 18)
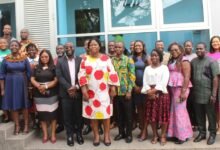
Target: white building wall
point(214, 17)
point(39, 16)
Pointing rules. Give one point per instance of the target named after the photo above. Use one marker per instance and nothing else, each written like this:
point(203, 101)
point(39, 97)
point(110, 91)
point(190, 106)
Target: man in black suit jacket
point(70, 93)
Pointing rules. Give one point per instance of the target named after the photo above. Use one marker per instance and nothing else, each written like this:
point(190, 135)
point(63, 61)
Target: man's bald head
point(24, 34)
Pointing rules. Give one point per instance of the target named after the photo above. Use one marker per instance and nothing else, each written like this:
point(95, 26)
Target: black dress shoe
point(70, 141)
point(59, 129)
point(119, 137)
point(172, 139)
point(179, 142)
point(211, 139)
point(128, 139)
point(6, 120)
point(87, 130)
point(79, 139)
point(96, 143)
point(199, 138)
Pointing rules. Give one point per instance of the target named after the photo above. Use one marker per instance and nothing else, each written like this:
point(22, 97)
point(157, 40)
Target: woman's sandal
point(163, 141)
point(26, 129)
point(142, 139)
point(17, 130)
point(154, 140)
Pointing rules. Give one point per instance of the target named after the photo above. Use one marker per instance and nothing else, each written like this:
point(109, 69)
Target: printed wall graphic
point(130, 12)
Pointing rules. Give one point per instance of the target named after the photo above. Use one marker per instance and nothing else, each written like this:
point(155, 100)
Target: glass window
point(182, 11)
point(80, 16)
point(181, 36)
point(7, 16)
point(147, 38)
point(130, 13)
point(79, 41)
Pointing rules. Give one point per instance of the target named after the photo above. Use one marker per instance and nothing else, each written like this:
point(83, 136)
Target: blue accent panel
point(147, 38)
point(78, 50)
point(181, 36)
point(62, 17)
point(183, 11)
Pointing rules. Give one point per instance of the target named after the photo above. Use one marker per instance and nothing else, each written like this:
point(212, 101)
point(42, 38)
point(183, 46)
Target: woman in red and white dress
point(98, 80)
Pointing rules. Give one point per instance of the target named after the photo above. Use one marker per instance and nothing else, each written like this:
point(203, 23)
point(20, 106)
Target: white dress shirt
point(71, 64)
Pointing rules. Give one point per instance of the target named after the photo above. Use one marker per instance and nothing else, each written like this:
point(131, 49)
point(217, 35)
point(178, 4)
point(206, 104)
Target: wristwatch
point(77, 86)
point(46, 86)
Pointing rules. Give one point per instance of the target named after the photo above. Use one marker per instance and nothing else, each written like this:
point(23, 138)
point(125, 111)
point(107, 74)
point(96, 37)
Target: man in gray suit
point(70, 93)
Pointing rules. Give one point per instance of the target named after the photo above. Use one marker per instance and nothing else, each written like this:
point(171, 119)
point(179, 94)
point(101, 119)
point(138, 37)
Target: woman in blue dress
point(15, 73)
point(141, 60)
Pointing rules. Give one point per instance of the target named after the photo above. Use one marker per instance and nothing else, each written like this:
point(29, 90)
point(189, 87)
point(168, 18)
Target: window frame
point(131, 28)
point(157, 23)
point(176, 26)
point(7, 1)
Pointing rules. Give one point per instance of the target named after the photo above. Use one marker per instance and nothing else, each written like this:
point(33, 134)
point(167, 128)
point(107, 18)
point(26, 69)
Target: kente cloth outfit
point(125, 68)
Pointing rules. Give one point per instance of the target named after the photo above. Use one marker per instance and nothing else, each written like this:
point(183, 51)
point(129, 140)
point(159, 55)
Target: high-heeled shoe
point(163, 141)
point(96, 143)
point(154, 140)
point(141, 139)
point(53, 140)
point(26, 129)
point(142, 136)
point(44, 140)
point(107, 143)
point(17, 130)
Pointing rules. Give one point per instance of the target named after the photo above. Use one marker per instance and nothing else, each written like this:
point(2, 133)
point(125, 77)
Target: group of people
point(173, 91)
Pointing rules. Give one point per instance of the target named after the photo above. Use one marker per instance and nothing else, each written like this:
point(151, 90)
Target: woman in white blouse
point(155, 81)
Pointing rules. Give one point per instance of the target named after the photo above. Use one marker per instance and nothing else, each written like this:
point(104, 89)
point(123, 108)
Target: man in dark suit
point(70, 93)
